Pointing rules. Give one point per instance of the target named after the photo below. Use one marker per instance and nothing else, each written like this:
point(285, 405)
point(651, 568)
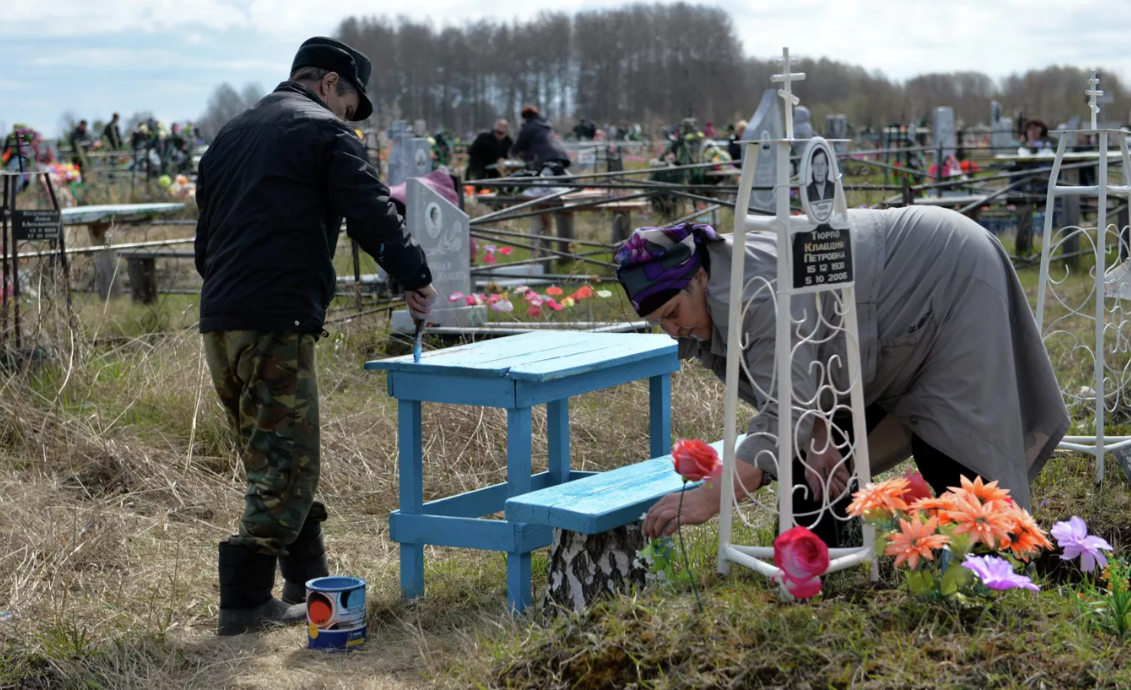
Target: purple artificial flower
point(1073, 537)
point(997, 573)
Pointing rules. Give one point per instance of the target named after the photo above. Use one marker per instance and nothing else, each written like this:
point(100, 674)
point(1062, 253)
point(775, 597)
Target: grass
point(118, 477)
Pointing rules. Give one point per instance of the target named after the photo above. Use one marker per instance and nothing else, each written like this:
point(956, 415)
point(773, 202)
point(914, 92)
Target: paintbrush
point(416, 341)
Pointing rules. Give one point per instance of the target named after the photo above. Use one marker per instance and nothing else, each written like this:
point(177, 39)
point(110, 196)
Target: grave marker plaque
point(443, 232)
point(836, 127)
point(35, 225)
point(765, 126)
point(944, 132)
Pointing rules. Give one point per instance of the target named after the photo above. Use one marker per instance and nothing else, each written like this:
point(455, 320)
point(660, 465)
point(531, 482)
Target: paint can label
point(335, 613)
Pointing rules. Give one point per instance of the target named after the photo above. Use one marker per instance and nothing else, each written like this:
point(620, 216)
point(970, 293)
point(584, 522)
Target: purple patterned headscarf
point(656, 263)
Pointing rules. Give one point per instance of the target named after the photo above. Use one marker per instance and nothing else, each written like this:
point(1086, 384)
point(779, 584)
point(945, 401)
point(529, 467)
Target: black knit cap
point(350, 64)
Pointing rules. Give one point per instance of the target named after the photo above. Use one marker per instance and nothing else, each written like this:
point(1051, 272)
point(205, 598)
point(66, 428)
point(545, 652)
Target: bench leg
point(411, 467)
point(660, 414)
point(557, 423)
point(518, 483)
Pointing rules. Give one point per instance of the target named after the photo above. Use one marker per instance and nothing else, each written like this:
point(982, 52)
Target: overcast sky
point(92, 57)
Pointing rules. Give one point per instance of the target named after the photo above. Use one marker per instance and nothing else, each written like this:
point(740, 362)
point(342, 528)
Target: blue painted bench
point(514, 373)
point(601, 501)
point(599, 504)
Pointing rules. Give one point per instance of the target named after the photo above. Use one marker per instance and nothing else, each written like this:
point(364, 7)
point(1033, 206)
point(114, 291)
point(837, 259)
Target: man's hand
point(420, 301)
point(699, 505)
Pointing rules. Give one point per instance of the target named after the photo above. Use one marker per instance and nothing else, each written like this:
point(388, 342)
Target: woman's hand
point(699, 505)
point(823, 460)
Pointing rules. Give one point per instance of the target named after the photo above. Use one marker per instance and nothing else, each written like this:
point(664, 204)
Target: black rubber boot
point(305, 560)
point(246, 604)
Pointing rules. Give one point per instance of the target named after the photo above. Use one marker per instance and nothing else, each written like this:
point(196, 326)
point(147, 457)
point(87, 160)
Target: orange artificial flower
point(983, 492)
point(985, 522)
point(583, 292)
point(936, 507)
point(553, 290)
point(886, 496)
point(1027, 538)
point(916, 539)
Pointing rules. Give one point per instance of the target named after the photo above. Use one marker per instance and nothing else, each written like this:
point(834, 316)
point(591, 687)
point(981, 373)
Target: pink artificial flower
point(802, 558)
point(503, 305)
point(917, 487)
point(553, 304)
point(534, 310)
point(493, 298)
point(489, 258)
point(455, 297)
point(506, 251)
point(695, 461)
point(1073, 537)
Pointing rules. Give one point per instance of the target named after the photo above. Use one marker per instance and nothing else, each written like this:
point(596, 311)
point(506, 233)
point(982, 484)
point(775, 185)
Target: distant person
point(112, 133)
point(80, 143)
point(709, 130)
point(734, 143)
point(538, 145)
point(272, 191)
point(1036, 136)
point(821, 188)
point(489, 148)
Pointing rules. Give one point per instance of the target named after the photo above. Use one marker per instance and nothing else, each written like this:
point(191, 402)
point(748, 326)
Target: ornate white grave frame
point(1112, 283)
point(840, 324)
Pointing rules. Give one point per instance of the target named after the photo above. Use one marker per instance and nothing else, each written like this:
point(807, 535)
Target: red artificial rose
point(695, 460)
point(803, 590)
point(917, 487)
point(802, 557)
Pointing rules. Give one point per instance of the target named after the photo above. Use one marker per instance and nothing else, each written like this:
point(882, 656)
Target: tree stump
point(587, 567)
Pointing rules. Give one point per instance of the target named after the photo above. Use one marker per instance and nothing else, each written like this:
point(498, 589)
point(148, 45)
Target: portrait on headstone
point(817, 180)
point(432, 220)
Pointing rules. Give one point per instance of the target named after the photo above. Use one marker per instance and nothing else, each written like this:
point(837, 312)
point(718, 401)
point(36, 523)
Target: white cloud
point(900, 38)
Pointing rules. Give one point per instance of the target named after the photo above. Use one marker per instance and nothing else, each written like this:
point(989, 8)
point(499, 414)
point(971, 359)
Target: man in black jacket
point(272, 191)
point(487, 149)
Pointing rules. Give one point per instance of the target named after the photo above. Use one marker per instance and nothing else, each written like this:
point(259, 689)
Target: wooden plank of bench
point(603, 501)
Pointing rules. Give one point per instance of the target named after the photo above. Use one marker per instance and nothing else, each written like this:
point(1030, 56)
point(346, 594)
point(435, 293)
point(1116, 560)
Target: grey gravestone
point(765, 126)
point(995, 112)
point(836, 127)
point(410, 156)
point(944, 132)
point(442, 230)
point(1001, 140)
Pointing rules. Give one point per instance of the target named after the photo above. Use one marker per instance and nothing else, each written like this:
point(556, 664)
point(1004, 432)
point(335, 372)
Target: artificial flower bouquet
point(968, 541)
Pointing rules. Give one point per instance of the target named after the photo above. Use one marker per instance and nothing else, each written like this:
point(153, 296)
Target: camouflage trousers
point(269, 387)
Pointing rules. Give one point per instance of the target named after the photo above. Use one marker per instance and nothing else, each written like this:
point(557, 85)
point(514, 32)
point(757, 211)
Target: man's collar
point(302, 89)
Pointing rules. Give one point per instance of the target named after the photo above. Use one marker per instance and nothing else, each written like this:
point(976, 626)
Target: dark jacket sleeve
point(355, 192)
point(200, 244)
point(525, 141)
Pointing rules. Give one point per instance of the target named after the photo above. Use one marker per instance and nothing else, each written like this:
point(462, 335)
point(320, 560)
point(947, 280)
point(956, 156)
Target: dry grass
point(118, 478)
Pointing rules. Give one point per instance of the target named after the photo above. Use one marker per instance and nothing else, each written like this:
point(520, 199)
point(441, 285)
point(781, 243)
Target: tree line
point(653, 65)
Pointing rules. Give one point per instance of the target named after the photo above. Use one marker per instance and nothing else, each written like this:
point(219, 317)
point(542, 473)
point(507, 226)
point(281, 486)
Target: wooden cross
point(787, 78)
point(1092, 93)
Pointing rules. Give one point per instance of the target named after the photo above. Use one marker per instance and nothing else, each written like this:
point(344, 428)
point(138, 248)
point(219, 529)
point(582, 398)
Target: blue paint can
point(335, 613)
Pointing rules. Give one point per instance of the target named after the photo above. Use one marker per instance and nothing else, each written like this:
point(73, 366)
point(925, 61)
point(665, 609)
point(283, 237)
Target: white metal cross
point(787, 78)
point(1092, 93)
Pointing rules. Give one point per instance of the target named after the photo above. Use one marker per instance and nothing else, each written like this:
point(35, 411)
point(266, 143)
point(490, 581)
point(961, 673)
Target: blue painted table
point(513, 373)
